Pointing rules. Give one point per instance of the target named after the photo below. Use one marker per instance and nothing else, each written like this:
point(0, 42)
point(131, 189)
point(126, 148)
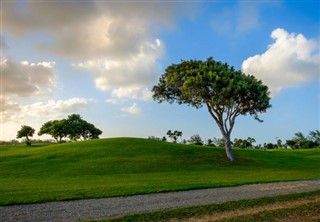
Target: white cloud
point(132, 93)
point(134, 109)
point(116, 42)
point(26, 79)
point(126, 74)
point(115, 101)
point(290, 61)
point(121, 95)
point(21, 80)
point(44, 110)
point(146, 94)
point(35, 114)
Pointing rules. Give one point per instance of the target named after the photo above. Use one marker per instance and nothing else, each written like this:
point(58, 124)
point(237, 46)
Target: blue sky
point(101, 59)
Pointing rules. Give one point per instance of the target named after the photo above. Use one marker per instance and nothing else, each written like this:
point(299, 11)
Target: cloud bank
point(290, 61)
point(43, 110)
point(25, 78)
point(116, 42)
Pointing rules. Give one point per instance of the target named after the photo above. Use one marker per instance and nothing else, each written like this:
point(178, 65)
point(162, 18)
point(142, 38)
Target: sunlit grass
point(126, 166)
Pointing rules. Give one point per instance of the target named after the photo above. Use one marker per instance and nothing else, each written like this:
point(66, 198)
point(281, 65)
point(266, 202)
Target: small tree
point(244, 143)
point(219, 142)
point(315, 136)
point(279, 143)
point(25, 131)
point(301, 141)
point(225, 92)
point(196, 140)
point(210, 143)
point(174, 135)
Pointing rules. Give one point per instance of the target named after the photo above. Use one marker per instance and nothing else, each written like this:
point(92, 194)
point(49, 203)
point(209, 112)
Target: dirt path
point(110, 207)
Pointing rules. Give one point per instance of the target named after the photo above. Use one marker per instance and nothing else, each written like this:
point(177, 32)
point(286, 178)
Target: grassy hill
point(126, 166)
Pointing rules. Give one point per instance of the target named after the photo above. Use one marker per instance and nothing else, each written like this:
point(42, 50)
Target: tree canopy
point(226, 92)
point(301, 141)
point(74, 128)
point(174, 135)
point(25, 131)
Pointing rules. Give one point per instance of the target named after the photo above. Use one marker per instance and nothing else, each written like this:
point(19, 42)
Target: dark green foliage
point(226, 92)
point(174, 135)
point(301, 141)
point(79, 128)
point(196, 140)
point(74, 127)
point(244, 143)
point(25, 131)
point(315, 136)
point(210, 143)
point(58, 129)
point(269, 146)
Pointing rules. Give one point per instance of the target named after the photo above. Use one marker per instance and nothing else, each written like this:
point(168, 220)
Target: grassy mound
point(126, 166)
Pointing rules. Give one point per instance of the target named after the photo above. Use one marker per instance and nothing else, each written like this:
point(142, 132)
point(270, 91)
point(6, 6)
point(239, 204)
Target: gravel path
point(108, 207)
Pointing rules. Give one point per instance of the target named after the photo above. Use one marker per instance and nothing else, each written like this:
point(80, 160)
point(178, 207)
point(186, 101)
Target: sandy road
point(90, 209)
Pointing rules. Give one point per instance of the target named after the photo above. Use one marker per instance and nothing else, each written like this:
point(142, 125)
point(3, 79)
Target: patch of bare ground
point(313, 215)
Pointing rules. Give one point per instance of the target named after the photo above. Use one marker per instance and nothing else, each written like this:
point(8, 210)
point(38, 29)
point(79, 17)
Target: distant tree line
point(312, 140)
point(72, 128)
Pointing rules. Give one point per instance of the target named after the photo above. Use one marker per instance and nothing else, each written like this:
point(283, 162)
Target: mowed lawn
point(127, 166)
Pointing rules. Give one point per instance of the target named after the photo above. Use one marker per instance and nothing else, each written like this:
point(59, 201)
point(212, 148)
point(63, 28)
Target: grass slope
point(126, 166)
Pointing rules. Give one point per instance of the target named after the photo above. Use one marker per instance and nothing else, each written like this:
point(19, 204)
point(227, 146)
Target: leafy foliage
point(74, 127)
point(25, 131)
point(244, 143)
point(226, 92)
point(301, 141)
point(196, 140)
point(174, 135)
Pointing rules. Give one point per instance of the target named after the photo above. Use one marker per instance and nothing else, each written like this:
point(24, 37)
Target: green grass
point(127, 166)
point(212, 209)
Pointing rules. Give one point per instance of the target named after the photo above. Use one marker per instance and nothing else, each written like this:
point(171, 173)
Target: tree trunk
point(228, 147)
point(28, 141)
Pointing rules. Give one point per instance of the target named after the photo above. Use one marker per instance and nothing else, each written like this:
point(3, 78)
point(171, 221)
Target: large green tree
point(25, 131)
point(80, 128)
point(226, 92)
point(58, 129)
point(74, 127)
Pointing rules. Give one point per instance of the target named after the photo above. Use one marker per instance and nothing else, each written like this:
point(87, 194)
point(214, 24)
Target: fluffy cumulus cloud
point(20, 80)
point(115, 41)
point(290, 61)
point(134, 109)
point(47, 110)
point(126, 77)
point(25, 78)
